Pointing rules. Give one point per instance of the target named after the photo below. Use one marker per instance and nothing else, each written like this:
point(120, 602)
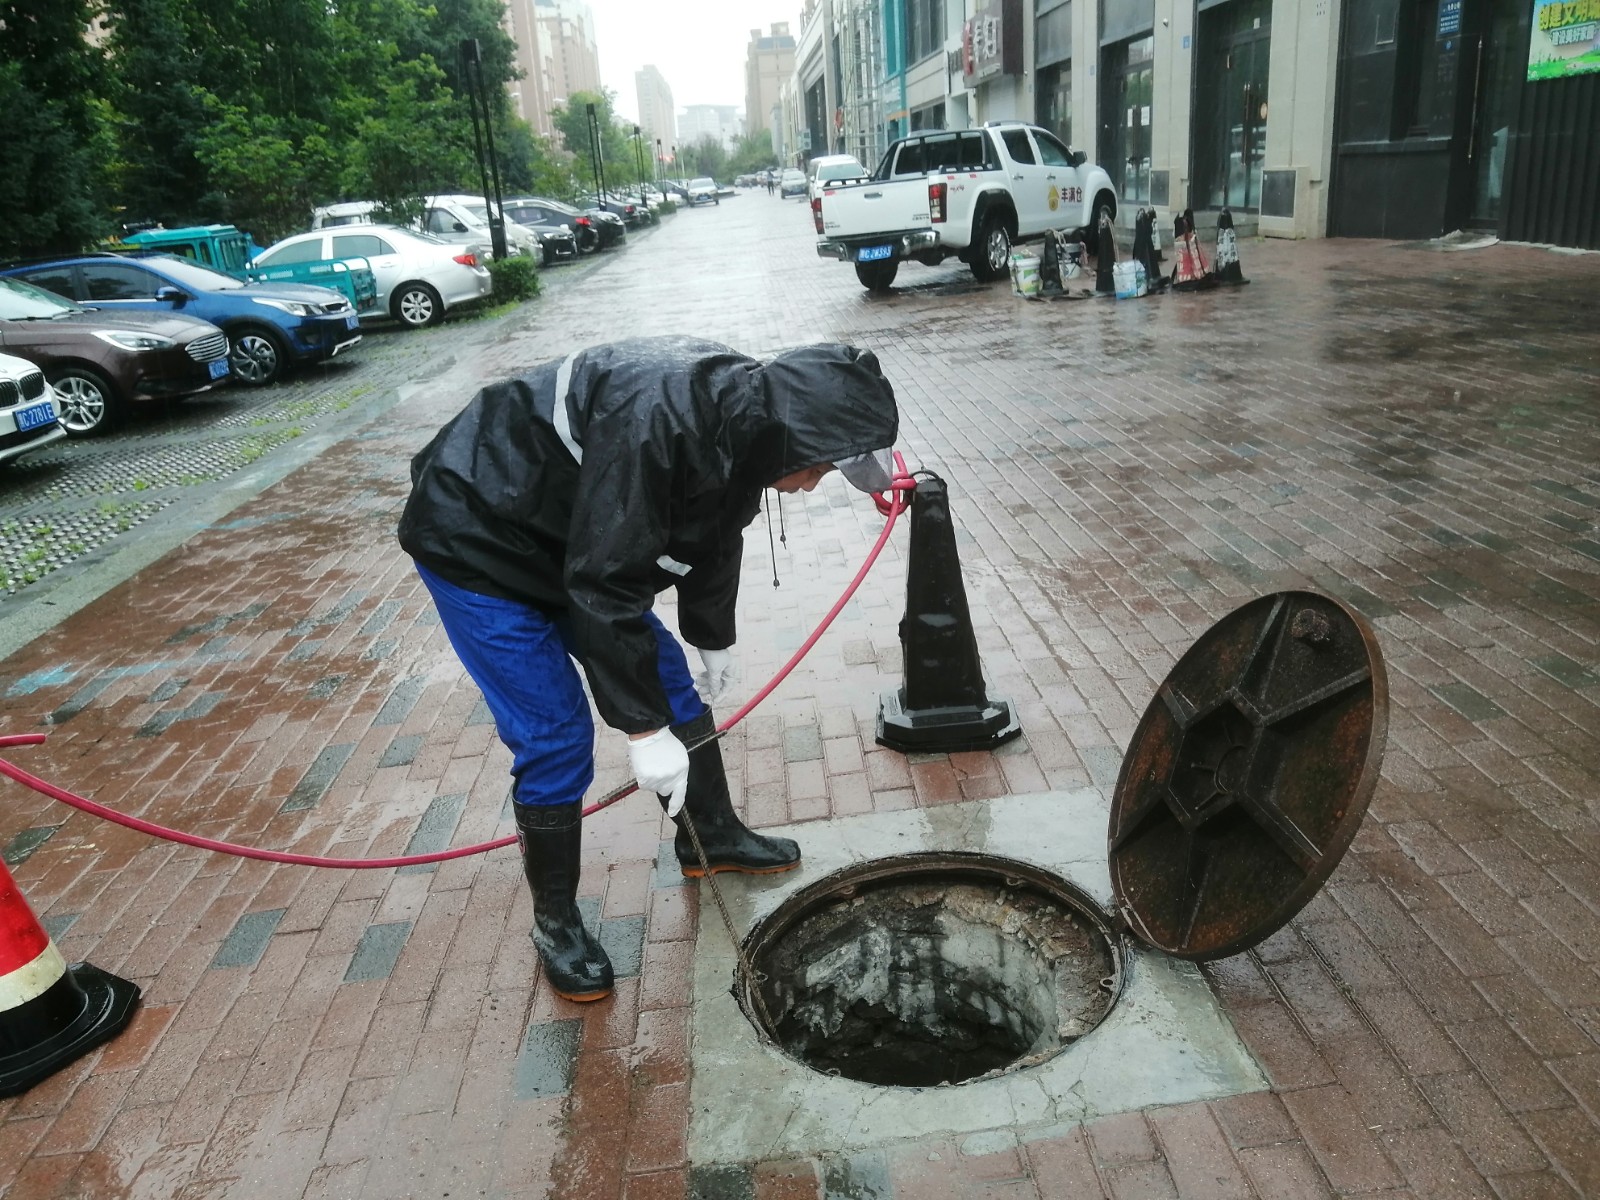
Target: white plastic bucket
point(1025, 279)
point(1127, 278)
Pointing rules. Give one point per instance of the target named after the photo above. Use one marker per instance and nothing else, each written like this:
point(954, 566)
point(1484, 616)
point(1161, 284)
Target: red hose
point(903, 483)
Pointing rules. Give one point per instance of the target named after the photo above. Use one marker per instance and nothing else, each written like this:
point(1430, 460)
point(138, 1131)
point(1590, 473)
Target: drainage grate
point(934, 969)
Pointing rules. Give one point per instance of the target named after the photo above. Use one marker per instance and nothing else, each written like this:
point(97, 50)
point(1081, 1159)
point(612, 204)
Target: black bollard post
point(1105, 257)
point(1225, 262)
point(943, 705)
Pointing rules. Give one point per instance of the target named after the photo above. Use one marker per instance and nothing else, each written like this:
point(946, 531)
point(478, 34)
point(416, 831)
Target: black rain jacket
point(677, 439)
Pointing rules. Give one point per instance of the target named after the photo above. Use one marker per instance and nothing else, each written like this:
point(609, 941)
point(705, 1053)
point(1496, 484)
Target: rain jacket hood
point(585, 486)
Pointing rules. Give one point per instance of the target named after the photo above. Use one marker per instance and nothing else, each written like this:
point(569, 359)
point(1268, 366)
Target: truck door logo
point(1055, 198)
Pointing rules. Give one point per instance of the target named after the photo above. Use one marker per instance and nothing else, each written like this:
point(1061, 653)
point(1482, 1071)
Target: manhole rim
point(992, 868)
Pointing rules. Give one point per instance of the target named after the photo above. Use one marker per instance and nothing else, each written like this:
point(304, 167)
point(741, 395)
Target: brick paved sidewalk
point(1412, 430)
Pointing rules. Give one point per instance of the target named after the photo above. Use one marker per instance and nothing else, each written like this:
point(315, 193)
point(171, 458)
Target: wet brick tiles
point(1412, 431)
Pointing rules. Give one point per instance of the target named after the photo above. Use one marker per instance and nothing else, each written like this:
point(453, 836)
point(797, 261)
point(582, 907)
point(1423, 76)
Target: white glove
point(661, 764)
point(719, 674)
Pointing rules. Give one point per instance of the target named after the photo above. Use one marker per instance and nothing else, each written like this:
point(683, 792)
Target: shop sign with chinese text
point(1566, 38)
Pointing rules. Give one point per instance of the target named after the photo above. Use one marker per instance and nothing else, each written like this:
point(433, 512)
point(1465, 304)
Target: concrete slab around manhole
point(1165, 1042)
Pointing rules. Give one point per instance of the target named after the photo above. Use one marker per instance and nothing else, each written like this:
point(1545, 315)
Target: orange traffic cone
point(50, 1012)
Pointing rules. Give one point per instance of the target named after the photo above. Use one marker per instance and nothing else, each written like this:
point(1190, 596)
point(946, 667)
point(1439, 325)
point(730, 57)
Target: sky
point(698, 46)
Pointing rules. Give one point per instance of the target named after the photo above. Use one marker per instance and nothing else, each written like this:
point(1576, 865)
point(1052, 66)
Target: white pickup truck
point(971, 193)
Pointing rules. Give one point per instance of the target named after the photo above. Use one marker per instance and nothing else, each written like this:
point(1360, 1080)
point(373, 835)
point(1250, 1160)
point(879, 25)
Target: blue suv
point(270, 326)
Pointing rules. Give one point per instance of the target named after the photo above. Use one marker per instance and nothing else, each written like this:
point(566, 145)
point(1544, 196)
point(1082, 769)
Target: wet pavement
point(1409, 429)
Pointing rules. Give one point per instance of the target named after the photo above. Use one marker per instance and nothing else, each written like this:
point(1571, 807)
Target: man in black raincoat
point(548, 514)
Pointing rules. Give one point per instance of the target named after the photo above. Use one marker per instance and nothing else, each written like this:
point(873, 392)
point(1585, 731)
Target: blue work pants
point(521, 659)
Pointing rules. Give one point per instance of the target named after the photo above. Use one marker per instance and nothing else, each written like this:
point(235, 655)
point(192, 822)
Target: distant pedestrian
point(545, 518)
point(769, 183)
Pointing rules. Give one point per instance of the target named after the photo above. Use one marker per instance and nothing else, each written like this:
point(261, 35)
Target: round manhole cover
point(932, 969)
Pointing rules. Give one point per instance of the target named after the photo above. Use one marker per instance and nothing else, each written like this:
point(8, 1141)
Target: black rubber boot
point(574, 962)
point(729, 845)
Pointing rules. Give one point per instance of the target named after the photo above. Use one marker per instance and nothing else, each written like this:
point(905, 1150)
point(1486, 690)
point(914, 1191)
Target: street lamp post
point(594, 152)
point(658, 160)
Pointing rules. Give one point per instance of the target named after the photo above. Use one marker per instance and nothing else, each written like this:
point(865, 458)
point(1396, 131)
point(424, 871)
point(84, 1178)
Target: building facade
point(556, 56)
point(1396, 118)
point(769, 64)
point(719, 122)
point(530, 94)
point(1460, 114)
point(657, 114)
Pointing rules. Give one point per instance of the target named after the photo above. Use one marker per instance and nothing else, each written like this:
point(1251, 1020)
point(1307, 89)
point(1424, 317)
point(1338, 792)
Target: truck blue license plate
point(34, 416)
point(352, 321)
point(873, 253)
point(218, 368)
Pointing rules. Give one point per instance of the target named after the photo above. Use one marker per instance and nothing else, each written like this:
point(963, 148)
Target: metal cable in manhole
point(933, 968)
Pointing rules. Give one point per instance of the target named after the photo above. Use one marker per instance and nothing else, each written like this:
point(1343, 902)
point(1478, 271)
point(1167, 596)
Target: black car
point(632, 212)
point(594, 228)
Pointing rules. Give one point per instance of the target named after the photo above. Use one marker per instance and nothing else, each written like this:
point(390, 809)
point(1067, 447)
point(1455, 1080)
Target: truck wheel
point(877, 276)
point(992, 254)
point(1105, 206)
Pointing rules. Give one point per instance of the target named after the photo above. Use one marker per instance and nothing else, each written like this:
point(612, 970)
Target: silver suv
point(30, 415)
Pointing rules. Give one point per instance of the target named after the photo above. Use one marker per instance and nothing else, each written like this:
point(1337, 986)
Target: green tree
point(616, 155)
point(55, 143)
point(158, 113)
point(705, 157)
point(752, 153)
point(268, 173)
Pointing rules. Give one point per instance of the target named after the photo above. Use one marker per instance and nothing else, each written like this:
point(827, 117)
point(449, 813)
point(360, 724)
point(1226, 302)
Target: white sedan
point(419, 277)
point(30, 414)
point(703, 191)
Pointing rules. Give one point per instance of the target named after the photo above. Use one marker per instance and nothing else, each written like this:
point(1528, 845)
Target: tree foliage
point(248, 111)
point(55, 136)
point(625, 157)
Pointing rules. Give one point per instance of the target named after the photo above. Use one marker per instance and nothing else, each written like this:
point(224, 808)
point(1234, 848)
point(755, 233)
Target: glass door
point(1128, 85)
point(1498, 72)
point(1231, 92)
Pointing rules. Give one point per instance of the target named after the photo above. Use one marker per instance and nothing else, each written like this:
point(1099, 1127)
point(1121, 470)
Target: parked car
point(231, 251)
point(703, 191)
point(832, 168)
point(594, 228)
point(792, 183)
point(465, 220)
point(419, 277)
point(553, 241)
point(100, 363)
point(30, 417)
point(270, 326)
point(346, 212)
point(633, 215)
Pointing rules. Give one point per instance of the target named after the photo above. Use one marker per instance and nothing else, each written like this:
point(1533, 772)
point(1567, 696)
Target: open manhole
point(931, 969)
point(1244, 785)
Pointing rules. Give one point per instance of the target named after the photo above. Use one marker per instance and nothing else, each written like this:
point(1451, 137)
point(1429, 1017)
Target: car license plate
point(34, 416)
point(873, 253)
point(352, 321)
point(218, 368)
